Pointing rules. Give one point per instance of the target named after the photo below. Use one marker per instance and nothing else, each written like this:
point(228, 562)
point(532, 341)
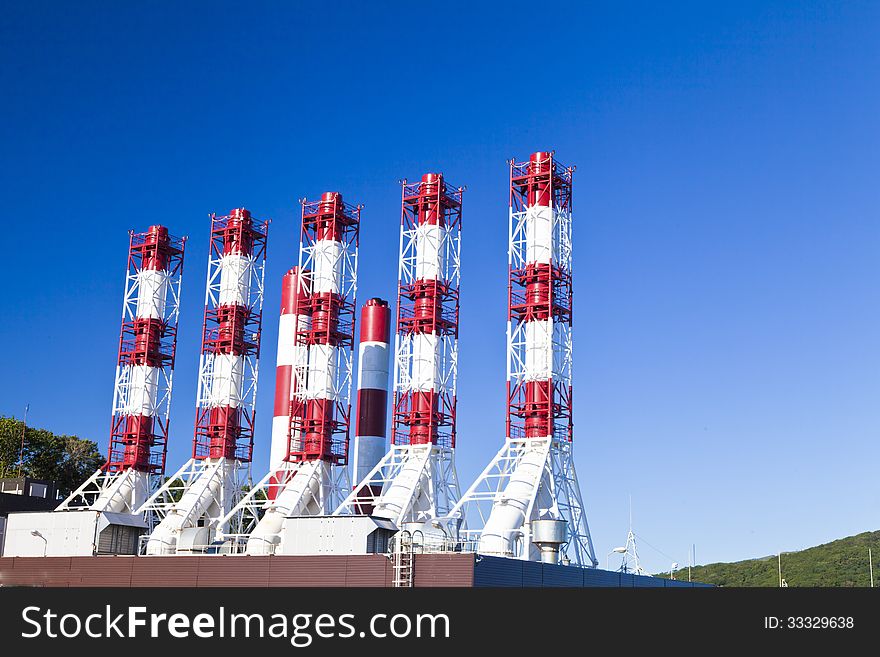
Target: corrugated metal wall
point(197, 571)
point(200, 571)
point(431, 570)
point(444, 570)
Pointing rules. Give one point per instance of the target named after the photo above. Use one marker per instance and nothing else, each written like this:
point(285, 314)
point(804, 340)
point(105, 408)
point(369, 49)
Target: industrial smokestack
point(217, 435)
point(308, 464)
point(531, 482)
point(320, 419)
point(295, 318)
point(534, 310)
point(142, 393)
point(146, 358)
point(419, 411)
point(196, 498)
point(415, 480)
point(372, 395)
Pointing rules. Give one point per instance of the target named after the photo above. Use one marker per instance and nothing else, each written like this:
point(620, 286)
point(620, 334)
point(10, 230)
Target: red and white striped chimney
point(141, 404)
point(226, 390)
point(372, 387)
point(427, 317)
point(294, 318)
point(415, 479)
point(139, 429)
point(319, 421)
point(537, 280)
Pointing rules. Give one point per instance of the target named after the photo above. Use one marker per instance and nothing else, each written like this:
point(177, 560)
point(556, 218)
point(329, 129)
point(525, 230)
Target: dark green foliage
point(66, 460)
point(839, 563)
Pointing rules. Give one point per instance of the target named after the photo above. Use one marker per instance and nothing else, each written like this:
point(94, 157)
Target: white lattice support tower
point(416, 480)
point(145, 365)
point(311, 477)
point(203, 491)
point(533, 475)
point(411, 484)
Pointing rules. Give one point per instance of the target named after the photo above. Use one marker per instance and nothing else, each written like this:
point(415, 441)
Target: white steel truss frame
point(107, 485)
point(238, 524)
point(101, 483)
point(343, 357)
point(556, 480)
point(561, 340)
point(430, 463)
point(162, 407)
point(199, 473)
point(450, 276)
point(254, 276)
point(447, 348)
point(554, 490)
point(449, 251)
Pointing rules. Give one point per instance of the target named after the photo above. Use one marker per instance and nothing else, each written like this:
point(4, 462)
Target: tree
point(10, 441)
point(66, 460)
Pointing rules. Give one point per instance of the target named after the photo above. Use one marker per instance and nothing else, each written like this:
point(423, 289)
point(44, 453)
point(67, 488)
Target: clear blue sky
point(727, 367)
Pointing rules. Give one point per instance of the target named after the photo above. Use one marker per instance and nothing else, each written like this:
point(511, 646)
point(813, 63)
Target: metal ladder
point(402, 560)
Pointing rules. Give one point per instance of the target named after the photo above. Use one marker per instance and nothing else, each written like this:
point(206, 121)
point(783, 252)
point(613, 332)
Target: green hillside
point(839, 563)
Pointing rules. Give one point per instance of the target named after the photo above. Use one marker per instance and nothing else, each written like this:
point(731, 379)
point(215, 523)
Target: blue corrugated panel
point(685, 583)
point(571, 576)
point(532, 573)
point(643, 581)
point(627, 580)
point(498, 571)
point(501, 572)
point(599, 578)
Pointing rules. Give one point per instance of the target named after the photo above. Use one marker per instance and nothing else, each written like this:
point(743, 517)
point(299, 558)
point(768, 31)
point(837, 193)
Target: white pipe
point(127, 491)
point(539, 234)
point(152, 293)
point(373, 365)
point(295, 498)
point(227, 381)
point(326, 279)
point(425, 361)
point(143, 390)
point(235, 280)
point(538, 361)
point(508, 514)
point(396, 501)
point(206, 489)
point(429, 263)
point(506, 521)
point(322, 372)
point(327, 266)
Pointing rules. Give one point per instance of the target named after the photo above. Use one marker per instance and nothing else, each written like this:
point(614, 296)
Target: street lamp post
point(617, 550)
point(34, 532)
